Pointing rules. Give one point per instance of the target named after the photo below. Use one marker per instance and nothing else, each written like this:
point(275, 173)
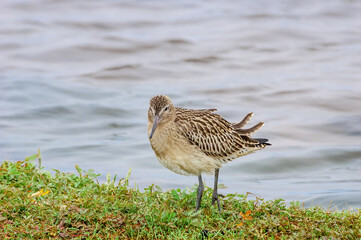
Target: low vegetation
point(35, 204)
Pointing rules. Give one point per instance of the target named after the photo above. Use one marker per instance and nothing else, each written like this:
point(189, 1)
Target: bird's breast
point(177, 154)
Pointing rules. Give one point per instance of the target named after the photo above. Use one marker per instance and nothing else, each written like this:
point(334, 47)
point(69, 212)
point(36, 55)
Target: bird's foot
point(216, 199)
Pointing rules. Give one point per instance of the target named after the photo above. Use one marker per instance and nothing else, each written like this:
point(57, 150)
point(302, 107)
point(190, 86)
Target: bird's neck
point(161, 136)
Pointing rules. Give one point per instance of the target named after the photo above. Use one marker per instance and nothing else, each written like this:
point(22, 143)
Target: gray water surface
point(76, 78)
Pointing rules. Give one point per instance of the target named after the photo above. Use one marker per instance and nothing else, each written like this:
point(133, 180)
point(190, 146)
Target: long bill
point(155, 125)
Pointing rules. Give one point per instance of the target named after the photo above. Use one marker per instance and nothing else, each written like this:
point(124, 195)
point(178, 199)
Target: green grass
point(35, 204)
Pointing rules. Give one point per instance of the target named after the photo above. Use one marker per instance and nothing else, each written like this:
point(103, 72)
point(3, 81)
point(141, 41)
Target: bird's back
point(215, 136)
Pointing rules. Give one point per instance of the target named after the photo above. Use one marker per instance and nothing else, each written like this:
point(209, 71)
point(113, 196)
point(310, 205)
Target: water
point(76, 78)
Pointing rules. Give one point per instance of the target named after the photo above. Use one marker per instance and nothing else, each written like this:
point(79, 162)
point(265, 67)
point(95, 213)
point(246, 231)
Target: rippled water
point(76, 78)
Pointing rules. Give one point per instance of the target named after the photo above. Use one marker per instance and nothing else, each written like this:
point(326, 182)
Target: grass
point(35, 204)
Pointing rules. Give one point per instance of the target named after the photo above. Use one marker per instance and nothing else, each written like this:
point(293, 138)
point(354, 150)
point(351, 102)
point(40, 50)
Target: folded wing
point(215, 136)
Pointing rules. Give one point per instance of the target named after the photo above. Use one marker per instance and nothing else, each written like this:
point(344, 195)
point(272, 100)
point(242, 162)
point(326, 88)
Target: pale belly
point(179, 156)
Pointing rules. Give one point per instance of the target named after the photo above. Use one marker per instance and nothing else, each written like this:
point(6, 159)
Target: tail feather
point(243, 122)
point(262, 141)
point(251, 130)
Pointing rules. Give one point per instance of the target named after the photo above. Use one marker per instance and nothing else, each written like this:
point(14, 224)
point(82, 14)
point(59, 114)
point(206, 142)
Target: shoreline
point(37, 204)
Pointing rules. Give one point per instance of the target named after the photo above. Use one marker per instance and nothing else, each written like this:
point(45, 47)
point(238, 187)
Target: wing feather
point(214, 135)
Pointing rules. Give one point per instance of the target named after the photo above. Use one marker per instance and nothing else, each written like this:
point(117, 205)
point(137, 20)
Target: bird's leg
point(199, 192)
point(215, 193)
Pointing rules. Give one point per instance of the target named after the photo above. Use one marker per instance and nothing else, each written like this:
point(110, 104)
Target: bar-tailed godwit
point(192, 142)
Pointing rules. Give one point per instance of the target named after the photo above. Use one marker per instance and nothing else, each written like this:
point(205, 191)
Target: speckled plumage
point(192, 142)
point(215, 136)
point(208, 136)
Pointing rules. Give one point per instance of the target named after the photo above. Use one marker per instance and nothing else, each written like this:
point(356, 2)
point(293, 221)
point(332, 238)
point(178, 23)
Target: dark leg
point(199, 192)
point(215, 193)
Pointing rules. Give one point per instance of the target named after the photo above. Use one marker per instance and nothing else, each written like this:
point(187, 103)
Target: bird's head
point(161, 111)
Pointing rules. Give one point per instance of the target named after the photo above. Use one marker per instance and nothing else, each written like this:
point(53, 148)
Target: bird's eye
point(166, 109)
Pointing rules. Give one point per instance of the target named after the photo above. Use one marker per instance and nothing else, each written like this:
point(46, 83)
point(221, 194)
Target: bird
point(196, 142)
